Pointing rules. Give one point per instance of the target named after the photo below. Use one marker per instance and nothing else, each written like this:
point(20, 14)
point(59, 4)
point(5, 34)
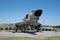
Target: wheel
point(38, 27)
point(38, 30)
point(15, 30)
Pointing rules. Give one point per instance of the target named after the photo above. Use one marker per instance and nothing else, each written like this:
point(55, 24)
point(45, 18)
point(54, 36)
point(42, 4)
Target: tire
point(38, 30)
point(15, 30)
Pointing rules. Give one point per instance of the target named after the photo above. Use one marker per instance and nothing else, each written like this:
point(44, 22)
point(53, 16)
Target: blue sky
point(12, 11)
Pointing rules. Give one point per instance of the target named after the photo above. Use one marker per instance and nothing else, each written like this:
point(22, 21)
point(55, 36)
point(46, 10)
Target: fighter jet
point(30, 20)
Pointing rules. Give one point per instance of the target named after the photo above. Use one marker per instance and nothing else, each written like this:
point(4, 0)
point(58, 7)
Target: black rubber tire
point(37, 30)
point(15, 30)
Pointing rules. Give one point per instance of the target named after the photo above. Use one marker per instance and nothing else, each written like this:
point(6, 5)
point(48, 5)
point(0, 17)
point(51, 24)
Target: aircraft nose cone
point(38, 13)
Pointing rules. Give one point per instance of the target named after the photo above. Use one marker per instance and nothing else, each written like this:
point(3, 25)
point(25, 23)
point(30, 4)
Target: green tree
point(43, 29)
point(49, 29)
point(46, 29)
point(6, 28)
point(10, 28)
point(1, 28)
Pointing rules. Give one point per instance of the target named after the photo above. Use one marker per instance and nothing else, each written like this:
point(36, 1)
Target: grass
point(26, 38)
point(53, 38)
point(19, 38)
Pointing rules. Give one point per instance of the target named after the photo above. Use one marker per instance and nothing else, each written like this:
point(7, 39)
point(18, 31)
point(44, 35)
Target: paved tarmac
point(20, 34)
